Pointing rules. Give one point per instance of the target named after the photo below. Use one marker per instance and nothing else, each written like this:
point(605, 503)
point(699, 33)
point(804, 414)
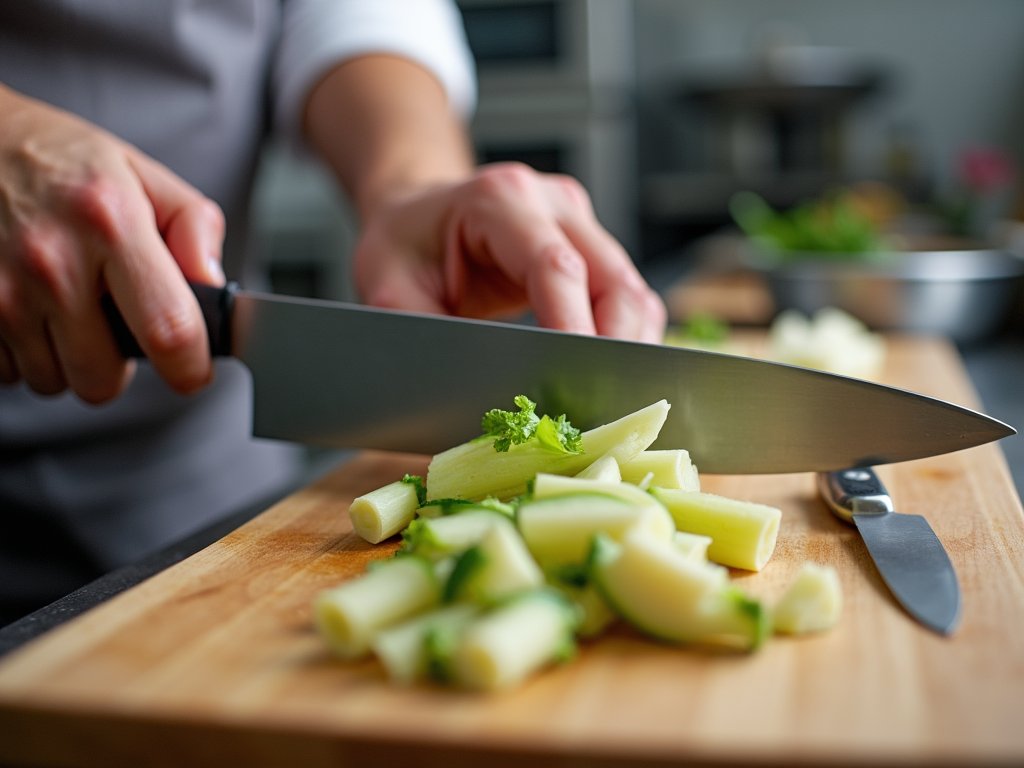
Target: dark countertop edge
point(109, 585)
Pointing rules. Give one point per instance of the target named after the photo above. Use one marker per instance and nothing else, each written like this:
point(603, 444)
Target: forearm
point(385, 126)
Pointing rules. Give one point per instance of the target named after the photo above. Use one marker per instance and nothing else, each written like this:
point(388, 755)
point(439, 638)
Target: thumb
point(190, 223)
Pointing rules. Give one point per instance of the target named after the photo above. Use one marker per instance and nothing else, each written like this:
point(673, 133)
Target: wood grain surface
point(215, 662)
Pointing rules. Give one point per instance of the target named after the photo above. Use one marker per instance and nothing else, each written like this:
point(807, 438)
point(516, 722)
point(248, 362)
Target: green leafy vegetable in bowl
point(834, 226)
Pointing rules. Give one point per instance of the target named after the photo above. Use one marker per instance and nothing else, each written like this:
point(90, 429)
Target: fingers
point(505, 220)
point(541, 231)
point(623, 304)
point(146, 284)
point(192, 225)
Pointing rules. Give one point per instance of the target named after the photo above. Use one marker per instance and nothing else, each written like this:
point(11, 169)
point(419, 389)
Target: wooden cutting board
point(215, 662)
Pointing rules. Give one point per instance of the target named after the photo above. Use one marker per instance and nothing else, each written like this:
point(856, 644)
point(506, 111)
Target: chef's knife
point(339, 374)
point(908, 554)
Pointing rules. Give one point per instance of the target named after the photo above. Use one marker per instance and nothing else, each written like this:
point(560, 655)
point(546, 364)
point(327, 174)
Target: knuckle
point(102, 203)
point(574, 190)
point(48, 256)
point(173, 331)
point(559, 258)
point(502, 179)
point(210, 213)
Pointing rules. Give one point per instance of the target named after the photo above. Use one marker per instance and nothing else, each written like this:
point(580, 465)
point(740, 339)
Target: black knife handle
point(216, 304)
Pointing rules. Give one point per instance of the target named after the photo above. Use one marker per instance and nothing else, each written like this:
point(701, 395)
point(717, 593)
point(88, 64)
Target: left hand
point(504, 240)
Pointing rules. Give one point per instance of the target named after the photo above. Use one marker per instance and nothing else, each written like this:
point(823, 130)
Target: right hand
point(82, 213)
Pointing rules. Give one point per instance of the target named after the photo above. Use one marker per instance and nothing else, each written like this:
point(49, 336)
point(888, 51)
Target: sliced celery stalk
point(499, 566)
point(657, 589)
point(350, 615)
point(502, 648)
point(812, 603)
point(437, 538)
point(743, 533)
point(384, 512)
point(693, 546)
point(672, 469)
point(605, 469)
point(475, 470)
point(403, 649)
point(446, 507)
point(559, 529)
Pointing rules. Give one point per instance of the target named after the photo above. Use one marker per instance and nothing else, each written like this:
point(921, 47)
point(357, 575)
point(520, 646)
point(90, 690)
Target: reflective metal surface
point(344, 375)
point(908, 554)
point(965, 295)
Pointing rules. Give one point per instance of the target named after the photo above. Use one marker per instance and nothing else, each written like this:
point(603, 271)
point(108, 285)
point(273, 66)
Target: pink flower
point(985, 169)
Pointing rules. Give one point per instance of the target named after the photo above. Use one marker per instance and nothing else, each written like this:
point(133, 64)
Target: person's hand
point(82, 214)
point(506, 239)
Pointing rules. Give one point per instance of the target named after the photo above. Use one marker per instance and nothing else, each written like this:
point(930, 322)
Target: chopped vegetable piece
point(654, 587)
point(743, 533)
point(402, 649)
point(672, 469)
point(813, 602)
point(475, 470)
point(385, 511)
point(692, 545)
point(502, 648)
point(437, 538)
point(605, 469)
point(499, 566)
point(350, 615)
point(559, 529)
point(445, 507)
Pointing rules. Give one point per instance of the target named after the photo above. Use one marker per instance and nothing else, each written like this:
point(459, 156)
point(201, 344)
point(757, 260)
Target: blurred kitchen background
point(664, 109)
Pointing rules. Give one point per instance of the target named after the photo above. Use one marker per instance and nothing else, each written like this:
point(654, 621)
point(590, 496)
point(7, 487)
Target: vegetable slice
point(499, 566)
point(474, 470)
point(403, 649)
point(348, 616)
point(672, 469)
point(385, 511)
point(655, 588)
point(505, 646)
point(813, 602)
point(743, 533)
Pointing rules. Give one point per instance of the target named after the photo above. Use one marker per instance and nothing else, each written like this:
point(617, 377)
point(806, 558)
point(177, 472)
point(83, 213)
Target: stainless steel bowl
point(965, 295)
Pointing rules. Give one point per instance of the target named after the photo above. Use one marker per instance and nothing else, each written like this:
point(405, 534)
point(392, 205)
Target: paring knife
point(339, 374)
point(908, 554)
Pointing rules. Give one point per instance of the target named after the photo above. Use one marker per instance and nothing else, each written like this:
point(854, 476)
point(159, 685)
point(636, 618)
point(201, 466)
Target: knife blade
point(335, 374)
point(909, 556)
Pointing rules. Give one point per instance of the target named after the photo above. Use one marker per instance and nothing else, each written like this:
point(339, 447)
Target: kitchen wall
point(957, 67)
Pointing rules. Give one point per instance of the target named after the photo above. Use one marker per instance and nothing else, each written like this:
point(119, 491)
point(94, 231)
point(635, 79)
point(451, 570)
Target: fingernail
point(213, 269)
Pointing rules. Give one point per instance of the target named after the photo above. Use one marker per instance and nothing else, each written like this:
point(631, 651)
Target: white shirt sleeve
point(316, 35)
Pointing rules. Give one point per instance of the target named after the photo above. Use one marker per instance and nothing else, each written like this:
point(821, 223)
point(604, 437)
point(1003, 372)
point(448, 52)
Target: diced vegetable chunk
point(403, 649)
point(672, 469)
point(605, 469)
point(348, 616)
point(658, 590)
point(743, 534)
point(505, 646)
point(385, 511)
point(499, 566)
point(813, 602)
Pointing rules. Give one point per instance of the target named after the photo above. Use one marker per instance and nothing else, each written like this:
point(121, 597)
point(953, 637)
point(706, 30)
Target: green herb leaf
point(421, 490)
point(509, 428)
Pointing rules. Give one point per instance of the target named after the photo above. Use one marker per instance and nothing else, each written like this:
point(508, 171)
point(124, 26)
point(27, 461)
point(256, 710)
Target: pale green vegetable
point(403, 649)
point(350, 615)
point(437, 538)
point(559, 529)
point(812, 603)
point(475, 469)
point(605, 469)
point(693, 546)
point(654, 587)
point(743, 534)
point(499, 566)
point(671, 469)
point(384, 512)
point(502, 648)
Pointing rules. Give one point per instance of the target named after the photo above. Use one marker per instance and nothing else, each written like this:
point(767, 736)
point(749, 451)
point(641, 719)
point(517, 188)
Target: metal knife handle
point(216, 304)
point(850, 492)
